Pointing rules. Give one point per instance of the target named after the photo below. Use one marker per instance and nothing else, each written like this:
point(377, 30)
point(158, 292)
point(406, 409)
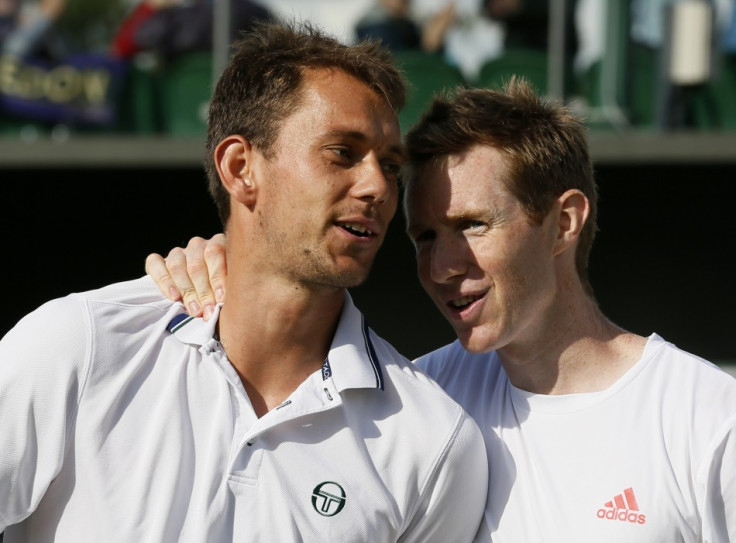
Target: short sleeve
point(43, 361)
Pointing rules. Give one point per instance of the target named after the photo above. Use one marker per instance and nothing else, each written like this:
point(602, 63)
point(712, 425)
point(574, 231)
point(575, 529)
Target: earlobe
point(233, 161)
point(574, 209)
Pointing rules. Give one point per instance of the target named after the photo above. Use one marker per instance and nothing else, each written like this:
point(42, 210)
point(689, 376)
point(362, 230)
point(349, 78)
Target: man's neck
point(275, 335)
point(577, 350)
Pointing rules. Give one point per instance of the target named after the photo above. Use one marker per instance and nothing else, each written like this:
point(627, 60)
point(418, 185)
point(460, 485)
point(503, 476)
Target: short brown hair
point(261, 85)
point(543, 142)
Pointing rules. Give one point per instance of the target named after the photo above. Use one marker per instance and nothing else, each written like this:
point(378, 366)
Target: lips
point(461, 303)
point(357, 229)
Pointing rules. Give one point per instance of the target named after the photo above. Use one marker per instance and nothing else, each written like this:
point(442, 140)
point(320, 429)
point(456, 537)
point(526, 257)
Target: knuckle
point(212, 250)
point(195, 266)
point(176, 261)
point(153, 259)
point(196, 242)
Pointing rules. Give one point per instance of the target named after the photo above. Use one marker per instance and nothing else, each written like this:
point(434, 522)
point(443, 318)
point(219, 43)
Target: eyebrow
point(398, 149)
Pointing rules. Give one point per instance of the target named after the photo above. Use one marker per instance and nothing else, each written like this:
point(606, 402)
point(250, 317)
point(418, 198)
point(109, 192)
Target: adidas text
point(622, 515)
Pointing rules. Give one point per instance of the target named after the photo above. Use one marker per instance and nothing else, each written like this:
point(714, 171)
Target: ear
point(233, 159)
point(573, 209)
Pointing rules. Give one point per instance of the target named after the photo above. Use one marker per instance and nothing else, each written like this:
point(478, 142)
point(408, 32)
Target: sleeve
point(719, 505)
point(454, 500)
point(43, 360)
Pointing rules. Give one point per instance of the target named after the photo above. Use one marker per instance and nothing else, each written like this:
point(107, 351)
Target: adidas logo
point(623, 508)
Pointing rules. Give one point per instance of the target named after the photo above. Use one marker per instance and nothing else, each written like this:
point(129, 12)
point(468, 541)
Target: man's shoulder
point(401, 369)
point(689, 384)
point(452, 362)
point(136, 292)
point(76, 310)
point(417, 389)
point(683, 366)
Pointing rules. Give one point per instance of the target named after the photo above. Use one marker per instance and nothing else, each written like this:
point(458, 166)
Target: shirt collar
point(352, 356)
point(351, 362)
point(194, 330)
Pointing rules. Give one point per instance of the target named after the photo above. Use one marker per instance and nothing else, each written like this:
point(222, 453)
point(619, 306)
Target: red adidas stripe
point(631, 499)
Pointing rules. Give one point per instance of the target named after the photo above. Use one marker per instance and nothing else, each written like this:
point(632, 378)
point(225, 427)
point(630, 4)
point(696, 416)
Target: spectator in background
point(673, 102)
point(172, 27)
point(25, 29)
point(392, 22)
point(462, 31)
point(8, 15)
point(124, 43)
point(525, 22)
point(474, 32)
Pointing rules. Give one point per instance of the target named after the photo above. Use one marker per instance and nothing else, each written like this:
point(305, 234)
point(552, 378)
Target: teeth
point(358, 229)
point(462, 302)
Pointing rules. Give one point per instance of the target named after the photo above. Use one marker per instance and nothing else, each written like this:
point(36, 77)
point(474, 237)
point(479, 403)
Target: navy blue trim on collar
point(326, 370)
point(372, 354)
point(177, 322)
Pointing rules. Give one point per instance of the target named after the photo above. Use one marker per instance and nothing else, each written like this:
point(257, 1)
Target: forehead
point(456, 182)
point(330, 98)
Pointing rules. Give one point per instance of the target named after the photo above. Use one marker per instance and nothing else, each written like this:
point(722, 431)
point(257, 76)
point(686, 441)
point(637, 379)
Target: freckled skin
point(474, 239)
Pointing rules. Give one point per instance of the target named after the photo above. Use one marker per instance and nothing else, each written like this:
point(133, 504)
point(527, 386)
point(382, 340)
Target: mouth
point(463, 302)
point(357, 229)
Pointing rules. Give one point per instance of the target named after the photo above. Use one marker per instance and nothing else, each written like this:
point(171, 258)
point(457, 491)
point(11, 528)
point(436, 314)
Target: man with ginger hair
point(593, 433)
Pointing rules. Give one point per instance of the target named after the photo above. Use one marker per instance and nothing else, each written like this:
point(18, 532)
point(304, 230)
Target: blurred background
point(103, 109)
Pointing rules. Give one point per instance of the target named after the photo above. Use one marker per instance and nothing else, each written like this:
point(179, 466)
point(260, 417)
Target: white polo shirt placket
point(289, 486)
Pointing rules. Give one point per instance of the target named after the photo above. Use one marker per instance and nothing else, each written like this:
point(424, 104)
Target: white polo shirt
point(114, 428)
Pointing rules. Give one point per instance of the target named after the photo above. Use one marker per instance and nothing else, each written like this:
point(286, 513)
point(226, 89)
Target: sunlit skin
point(489, 269)
point(508, 283)
point(330, 191)
point(307, 218)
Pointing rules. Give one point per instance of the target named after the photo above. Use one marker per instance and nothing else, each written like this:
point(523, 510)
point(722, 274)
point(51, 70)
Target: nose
point(372, 183)
point(447, 260)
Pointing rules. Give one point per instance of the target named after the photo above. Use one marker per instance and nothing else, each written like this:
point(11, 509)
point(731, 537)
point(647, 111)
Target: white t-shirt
point(650, 459)
point(115, 429)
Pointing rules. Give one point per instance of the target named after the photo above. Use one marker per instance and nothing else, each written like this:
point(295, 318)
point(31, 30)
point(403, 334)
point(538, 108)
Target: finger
point(216, 261)
point(156, 268)
point(197, 269)
point(177, 264)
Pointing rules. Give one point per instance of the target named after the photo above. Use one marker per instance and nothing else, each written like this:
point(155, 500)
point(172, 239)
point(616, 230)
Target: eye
point(341, 152)
point(391, 170)
point(473, 226)
point(422, 237)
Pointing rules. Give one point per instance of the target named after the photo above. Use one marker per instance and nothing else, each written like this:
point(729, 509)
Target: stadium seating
point(186, 87)
point(529, 63)
point(428, 74)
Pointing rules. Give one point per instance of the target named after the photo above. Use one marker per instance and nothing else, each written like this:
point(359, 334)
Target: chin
point(476, 343)
point(352, 278)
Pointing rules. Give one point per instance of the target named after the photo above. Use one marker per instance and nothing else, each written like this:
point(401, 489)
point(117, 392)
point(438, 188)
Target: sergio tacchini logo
point(328, 499)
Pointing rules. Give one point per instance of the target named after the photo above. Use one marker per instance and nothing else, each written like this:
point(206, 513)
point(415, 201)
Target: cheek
point(528, 275)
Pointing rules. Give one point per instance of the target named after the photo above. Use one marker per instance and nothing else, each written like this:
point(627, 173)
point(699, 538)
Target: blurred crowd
point(465, 34)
